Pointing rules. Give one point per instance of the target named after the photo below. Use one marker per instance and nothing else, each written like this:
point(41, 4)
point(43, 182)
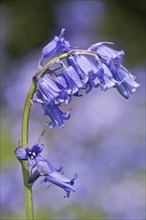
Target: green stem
point(25, 129)
point(24, 164)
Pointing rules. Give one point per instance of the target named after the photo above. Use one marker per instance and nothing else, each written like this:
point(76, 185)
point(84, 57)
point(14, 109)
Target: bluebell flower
point(30, 154)
point(57, 46)
point(124, 81)
point(53, 175)
point(56, 115)
point(47, 90)
point(106, 53)
point(50, 94)
point(68, 86)
point(93, 75)
point(39, 166)
point(73, 62)
point(90, 70)
point(73, 74)
point(98, 67)
point(106, 79)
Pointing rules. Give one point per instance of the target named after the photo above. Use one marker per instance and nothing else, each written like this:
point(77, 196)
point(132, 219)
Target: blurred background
point(104, 141)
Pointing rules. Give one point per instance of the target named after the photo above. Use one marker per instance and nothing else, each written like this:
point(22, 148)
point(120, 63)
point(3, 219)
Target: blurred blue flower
point(44, 168)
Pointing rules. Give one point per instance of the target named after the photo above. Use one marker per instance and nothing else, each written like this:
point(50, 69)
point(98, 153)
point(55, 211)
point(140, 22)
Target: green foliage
point(7, 147)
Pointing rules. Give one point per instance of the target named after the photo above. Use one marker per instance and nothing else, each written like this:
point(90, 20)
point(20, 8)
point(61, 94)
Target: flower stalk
point(90, 79)
point(80, 73)
point(24, 137)
point(24, 164)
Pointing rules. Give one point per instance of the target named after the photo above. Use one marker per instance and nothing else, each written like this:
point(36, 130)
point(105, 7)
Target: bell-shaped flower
point(106, 79)
point(72, 61)
point(124, 81)
point(72, 73)
point(39, 166)
point(89, 69)
point(107, 53)
point(47, 90)
point(57, 46)
point(56, 115)
point(44, 168)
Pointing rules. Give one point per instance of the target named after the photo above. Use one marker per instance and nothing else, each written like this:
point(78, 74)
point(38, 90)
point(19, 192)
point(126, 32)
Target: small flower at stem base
point(39, 166)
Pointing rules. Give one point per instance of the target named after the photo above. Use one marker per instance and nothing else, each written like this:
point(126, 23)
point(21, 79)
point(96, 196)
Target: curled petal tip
point(62, 32)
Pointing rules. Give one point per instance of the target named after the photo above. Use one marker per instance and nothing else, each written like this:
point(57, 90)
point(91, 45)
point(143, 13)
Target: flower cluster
point(98, 66)
point(39, 166)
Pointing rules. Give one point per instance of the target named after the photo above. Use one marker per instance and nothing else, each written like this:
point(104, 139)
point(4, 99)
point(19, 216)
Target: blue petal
point(44, 168)
point(123, 90)
point(131, 85)
point(47, 90)
point(21, 153)
point(107, 53)
point(125, 80)
point(56, 114)
point(106, 79)
point(65, 94)
point(68, 86)
point(62, 181)
point(34, 176)
point(56, 46)
point(37, 148)
point(72, 62)
point(71, 86)
point(72, 73)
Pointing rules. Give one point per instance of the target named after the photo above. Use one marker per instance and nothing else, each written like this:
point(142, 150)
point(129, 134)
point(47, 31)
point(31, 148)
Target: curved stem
point(24, 164)
point(25, 129)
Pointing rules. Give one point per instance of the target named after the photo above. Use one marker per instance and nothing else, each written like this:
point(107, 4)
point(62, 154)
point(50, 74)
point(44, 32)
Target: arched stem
point(25, 128)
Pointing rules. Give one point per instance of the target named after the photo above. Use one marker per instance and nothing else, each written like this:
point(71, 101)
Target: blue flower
point(106, 53)
point(73, 61)
point(47, 90)
point(125, 80)
point(98, 66)
point(30, 154)
point(92, 74)
point(106, 78)
point(39, 166)
point(56, 115)
point(44, 168)
point(68, 87)
point(50, 94)
point(89, 69)
point(57, 46)
point(112, 59)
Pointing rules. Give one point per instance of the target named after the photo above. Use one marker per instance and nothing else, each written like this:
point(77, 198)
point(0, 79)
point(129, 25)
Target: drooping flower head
point(97, 67)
